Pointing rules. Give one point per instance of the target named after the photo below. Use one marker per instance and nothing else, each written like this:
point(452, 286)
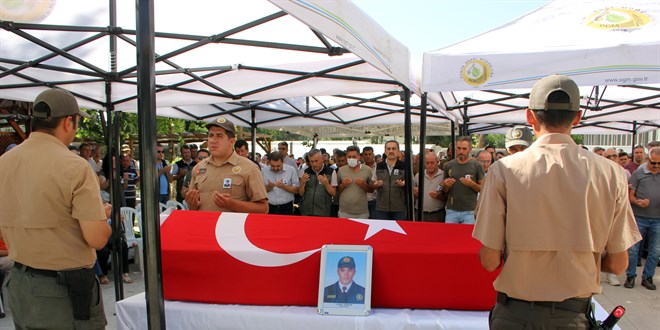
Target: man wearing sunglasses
point(645, 200)
point(164, 176)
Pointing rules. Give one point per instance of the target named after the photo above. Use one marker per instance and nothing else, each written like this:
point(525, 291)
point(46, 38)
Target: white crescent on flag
point(231, 236)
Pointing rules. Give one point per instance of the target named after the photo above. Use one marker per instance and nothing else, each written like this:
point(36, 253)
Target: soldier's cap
point(346, 262)
point(538, 97)
point(223, 122)
point(61, 103)
point(518, 136)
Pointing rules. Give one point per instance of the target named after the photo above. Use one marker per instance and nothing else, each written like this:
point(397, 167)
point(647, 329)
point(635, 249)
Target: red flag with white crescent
point(260, 259)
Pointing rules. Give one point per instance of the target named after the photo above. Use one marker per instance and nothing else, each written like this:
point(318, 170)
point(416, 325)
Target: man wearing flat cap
point(52, 220)
point(552, 217)
point(344, 291)
point(226, 181)
point(517, 139)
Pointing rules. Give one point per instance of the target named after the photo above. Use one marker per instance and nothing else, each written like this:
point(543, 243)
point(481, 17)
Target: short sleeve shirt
point(431, 184)
point(237, 176)
point(45, 191)
point(461, 197)
point(353, 198)
point(288, 175)
point(646, 186)
point(553, 209)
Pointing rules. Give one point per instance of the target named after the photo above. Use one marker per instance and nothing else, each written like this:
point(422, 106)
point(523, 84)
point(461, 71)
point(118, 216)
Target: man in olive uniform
point(345, 290)
point(52, 220)
point(226, 181)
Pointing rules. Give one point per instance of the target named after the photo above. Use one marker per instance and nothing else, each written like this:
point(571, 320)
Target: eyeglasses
point(160, 151)
point(654, 163)
point(611, 156)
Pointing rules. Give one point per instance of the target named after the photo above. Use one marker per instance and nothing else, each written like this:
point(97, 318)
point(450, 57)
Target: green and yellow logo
point(476, 72)
point(26, 11)
point(620, 19)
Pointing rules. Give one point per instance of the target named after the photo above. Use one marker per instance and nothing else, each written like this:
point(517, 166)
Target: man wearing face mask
point(354, 184)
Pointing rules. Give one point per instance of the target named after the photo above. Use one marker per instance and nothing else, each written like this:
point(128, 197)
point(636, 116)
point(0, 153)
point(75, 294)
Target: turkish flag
point(260, 259)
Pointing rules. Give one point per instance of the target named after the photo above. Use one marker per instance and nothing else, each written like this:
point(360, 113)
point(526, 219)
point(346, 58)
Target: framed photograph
point(345, 280)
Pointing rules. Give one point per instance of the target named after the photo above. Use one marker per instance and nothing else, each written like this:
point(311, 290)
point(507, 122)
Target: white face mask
point(352, 162)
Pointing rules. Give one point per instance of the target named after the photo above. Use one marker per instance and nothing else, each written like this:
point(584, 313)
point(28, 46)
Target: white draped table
point(131, 314)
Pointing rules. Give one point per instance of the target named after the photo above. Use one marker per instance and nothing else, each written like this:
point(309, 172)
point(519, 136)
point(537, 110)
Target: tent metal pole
point(112, 142)
point(408, 155)
point(253, 132)
point(149, 175)
point(634, 138)
point(422, 160)
point(453, 141)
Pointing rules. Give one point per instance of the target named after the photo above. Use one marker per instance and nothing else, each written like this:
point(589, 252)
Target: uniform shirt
point(553, 209)
point(431, 184)
point(646, 185)
point(45, 190)
point(237, 176)
point(288, 175)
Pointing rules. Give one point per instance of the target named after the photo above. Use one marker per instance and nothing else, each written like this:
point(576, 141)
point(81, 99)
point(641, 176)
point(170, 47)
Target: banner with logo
point(259, 259)
point(593, 42)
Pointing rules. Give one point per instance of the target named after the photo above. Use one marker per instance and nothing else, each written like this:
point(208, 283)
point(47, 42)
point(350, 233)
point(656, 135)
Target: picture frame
point(345, 280)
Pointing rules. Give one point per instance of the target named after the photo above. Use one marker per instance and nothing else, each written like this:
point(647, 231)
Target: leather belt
point(431, 212)
point(35, 271)
point(576, 305)
point(281, 205)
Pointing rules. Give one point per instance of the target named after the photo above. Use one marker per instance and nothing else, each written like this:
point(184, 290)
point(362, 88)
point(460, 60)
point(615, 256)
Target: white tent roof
point(614, 44)
point(212, 57)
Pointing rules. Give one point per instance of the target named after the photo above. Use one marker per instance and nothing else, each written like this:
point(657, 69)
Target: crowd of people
point(488, 188)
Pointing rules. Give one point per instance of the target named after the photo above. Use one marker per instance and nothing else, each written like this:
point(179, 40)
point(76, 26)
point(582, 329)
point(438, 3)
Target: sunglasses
point(611, 156)
point(160, 151)
point(654, 163)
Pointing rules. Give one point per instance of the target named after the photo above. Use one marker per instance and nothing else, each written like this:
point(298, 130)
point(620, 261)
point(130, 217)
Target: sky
point(426, 25)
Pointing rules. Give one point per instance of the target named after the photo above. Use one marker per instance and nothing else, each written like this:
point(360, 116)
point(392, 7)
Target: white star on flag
point(377, 225)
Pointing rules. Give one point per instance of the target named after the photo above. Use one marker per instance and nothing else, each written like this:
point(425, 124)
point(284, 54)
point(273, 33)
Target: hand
point(107, 207)
point(192, 198)
point(415, 191)
point(270, 185)
point(126, 177)
point(279, 184)
point(221, 199)
point(467, 181)
point(378, 184)
point(434, 194)
point(400, 182)
point(183, 172)
point(448, 183)
point(304, 179)
point(346, 181)
point(643, 203)
point(322, 179)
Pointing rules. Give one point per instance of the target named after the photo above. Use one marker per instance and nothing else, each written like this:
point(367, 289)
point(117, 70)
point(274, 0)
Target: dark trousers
point(163, 198)
point(385, 215)
point(517, 314)
point(284, 209)
point(372, 209)
point(435, 216)
point(103, 255)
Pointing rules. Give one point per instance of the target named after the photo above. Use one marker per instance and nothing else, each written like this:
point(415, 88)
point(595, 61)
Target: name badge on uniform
point(226, 184)
point(395, 172)
point(285, 181)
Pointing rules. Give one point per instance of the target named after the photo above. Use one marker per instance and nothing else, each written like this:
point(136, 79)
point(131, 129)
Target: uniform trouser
point(521, 315)
point(39, 302)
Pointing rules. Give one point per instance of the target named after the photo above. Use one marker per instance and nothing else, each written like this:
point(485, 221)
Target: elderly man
point(645, 199)
point(517, 139)
point(553, 217)
point(52, 220)
point(226, 181)
point(281, 181)
point(434, 203)
point(485, 158)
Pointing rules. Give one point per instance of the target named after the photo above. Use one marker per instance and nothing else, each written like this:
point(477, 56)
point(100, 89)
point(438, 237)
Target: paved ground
point(642, 305)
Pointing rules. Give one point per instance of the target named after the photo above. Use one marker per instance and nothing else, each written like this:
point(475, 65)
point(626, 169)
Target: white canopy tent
point(227, 56)
point(611, 49)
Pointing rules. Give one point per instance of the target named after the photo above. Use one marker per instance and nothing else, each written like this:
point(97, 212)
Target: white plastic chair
point(130, 215)
point(174, 205)
point(163, 207)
